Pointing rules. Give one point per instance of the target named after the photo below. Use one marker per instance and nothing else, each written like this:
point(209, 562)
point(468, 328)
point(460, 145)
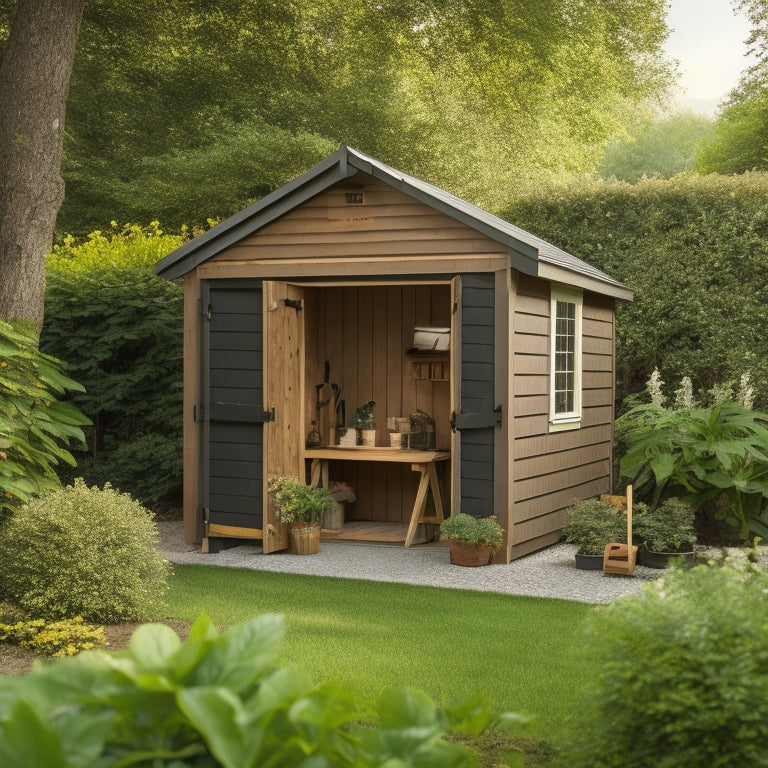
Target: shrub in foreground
point(81, 551)
point(684, 679)
point(217, 700)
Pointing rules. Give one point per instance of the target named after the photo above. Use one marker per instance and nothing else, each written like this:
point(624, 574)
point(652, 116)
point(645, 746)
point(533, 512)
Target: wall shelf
point(429, 366)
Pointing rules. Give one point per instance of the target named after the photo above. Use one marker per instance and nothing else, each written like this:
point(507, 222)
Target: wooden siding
point(388, 234)
point(364, 333)
point(551, 470)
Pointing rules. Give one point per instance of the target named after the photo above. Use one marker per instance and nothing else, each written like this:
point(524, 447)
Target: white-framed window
point(565, 358)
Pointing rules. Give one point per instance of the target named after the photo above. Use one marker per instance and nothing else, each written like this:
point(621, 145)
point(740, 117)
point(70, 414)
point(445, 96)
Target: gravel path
point(548, 573)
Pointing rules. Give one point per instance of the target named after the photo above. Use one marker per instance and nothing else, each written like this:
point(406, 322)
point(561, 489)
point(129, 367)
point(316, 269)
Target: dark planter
point(662, 559)
point(589, 562)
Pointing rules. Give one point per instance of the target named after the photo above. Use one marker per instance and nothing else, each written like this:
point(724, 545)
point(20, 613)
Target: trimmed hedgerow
point(81, 551)
point(694, 249)
point(120, 329)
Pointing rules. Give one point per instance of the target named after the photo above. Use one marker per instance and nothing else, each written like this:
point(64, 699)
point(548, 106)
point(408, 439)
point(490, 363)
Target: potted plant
point(665, 532)
point(591, 525)
point(302, 508)
point(333, 517)
point(472, 540)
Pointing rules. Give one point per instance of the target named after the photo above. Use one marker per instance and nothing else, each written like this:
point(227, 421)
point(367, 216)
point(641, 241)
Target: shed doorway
point(359, 348)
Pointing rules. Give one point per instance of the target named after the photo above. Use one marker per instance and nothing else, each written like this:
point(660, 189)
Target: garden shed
point(488, 352)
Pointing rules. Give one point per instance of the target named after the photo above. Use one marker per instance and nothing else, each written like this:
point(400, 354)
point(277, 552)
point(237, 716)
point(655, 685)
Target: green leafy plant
point(218, 700)
point(483, 531)
point(665, 528)
point(80, 551)
point(717, 455)
point(592, 524)
point(36, 427)
point(298, 504)
point(120, 328)
point(684, 679)
point(65, 637)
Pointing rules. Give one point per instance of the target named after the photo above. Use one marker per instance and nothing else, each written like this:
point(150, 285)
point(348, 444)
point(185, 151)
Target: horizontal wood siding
point(235, 447)
point(388, 224)
point(364, 333)
point(552, 470)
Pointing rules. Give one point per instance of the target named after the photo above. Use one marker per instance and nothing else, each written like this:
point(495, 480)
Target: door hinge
point(482, 420)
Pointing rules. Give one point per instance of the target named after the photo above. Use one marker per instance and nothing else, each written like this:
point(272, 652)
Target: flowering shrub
point(66, 637)
point(297, 503)
point(341, 491)
point(716, 454)
point(81, 551)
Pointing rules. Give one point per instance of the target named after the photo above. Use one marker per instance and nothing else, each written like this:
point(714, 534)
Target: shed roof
point(530, 254)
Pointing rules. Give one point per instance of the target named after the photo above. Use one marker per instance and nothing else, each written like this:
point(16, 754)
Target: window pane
point(565, 357)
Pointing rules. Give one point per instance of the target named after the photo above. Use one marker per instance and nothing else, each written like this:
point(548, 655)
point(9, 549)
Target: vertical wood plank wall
point(551, 470)
point(363, 332)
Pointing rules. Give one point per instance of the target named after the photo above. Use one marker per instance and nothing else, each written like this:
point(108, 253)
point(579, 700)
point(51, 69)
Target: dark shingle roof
point(527, 249)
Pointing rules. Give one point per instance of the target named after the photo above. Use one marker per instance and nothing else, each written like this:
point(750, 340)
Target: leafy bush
point(592, 524)
point(66, 637)
point(217, 700)
point(665, 528)
point(693, 249)
point(120, 328)
point(36, 428)
point(483, 531)
point(81, 551)
point(684, 679)
point(715, 454)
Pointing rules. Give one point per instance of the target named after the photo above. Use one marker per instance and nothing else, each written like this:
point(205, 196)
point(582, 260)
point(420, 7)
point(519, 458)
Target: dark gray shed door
point(235, 408)
point(476, 420)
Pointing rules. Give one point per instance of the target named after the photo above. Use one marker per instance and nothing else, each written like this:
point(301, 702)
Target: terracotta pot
point(304, 540)
point(470, 555)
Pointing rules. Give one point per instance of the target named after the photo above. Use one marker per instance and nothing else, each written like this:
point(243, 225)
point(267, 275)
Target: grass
point(524, 654)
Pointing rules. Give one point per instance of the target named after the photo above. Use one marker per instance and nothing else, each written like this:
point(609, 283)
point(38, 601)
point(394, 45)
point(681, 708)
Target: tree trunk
point(34, 82)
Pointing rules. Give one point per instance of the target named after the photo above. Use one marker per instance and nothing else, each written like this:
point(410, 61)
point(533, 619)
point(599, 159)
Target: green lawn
point(523, 653)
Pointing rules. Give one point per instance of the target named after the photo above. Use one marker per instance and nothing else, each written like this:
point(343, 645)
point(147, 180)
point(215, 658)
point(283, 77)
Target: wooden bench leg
point(420, 503)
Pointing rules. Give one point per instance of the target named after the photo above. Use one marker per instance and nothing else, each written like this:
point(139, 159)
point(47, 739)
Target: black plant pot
point(589, 562)
point(663, 559)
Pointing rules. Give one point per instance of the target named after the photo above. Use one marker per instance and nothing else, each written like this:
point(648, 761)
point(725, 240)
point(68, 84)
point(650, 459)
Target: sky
point(708, 40)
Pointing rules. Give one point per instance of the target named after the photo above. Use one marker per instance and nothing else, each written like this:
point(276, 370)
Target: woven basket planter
point(304, 540)
point(470, 555)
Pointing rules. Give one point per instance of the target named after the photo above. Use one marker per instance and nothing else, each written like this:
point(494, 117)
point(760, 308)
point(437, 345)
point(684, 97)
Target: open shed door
point(475, 415)
point(283, 390)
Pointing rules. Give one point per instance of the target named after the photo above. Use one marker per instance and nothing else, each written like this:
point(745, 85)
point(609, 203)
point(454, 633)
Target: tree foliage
point(209, 107)
point(740, 139)
point(659, 148)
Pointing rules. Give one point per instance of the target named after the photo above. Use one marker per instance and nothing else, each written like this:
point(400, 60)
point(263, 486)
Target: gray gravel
point(549, 573)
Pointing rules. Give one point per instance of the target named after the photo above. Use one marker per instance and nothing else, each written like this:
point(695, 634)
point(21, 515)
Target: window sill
point(565, 424)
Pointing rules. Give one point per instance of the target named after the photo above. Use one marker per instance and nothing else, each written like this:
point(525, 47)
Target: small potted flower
point(591, 525)
point(302, 508)
point(333, 517)
point(472, 540)
point(665, 532)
